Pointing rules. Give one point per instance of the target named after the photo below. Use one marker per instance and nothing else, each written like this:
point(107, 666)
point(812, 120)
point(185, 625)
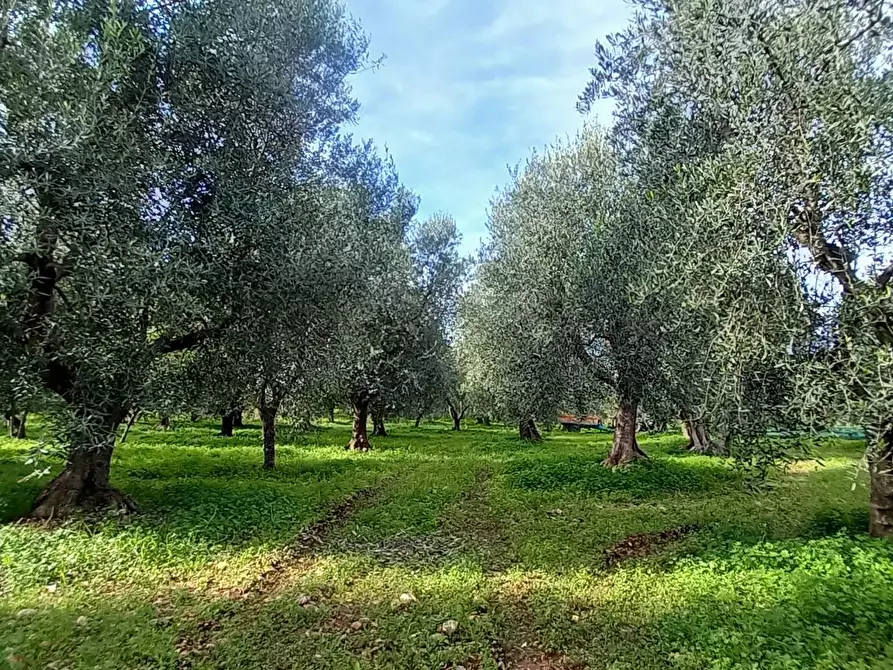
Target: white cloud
point(469, 86)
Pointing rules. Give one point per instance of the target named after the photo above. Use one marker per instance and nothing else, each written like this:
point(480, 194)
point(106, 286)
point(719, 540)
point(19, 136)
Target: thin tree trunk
point(359, 440)
point(268, 416)
point(237, 418)
point(331, 411)
point(378, 427)
point(626, 448)
point(880, 462)
point(165, 422)
point(84, 483)
point(20, 431)
point(487, 420)
point(528, 430)
point(418, 420)
point(130, 421)
point(226, 425)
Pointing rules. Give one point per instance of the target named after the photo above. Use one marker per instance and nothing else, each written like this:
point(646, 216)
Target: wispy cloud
point(469, 86)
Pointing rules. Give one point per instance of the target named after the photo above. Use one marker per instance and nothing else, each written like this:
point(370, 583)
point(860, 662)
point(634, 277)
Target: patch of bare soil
point(644, 544)
point(297, 556)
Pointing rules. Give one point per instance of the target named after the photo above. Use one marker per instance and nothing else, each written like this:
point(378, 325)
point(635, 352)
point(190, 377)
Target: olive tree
point(553, 310)
point(139, 142)
point(799, 100)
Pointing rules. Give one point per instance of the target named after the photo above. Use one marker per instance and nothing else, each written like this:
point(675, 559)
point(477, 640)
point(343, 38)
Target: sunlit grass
point(505, 538)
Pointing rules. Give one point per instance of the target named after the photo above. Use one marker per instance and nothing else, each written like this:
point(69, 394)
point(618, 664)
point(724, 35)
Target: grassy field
point(444, 550)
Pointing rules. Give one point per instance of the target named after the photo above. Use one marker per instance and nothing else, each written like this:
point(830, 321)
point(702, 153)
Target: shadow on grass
point(654, 477)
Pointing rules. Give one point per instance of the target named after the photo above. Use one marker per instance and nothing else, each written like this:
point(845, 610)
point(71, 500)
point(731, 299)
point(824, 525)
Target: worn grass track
point(543, 559)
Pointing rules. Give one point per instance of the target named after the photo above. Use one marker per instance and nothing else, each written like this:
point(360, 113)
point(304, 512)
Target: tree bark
point(226, 425)
point(331, 412)
point(237, 418)
point(16, 424)
point(84, 483)
point(625, 449)
point(130, 421)
point(699, 440)
point(378, 427)
point(165, 422)
point(268, 416)
point(418, 420)
point(456, 416)
point(880, 462)
point(528, 430)
point(359, 440)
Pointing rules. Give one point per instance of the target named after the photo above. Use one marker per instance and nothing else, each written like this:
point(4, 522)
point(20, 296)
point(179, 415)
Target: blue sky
point(468, 87)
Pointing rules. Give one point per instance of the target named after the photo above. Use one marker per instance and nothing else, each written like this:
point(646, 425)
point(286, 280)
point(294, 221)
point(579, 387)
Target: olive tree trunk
point(226, 425)
point(880, 462)
point(699, 440)
point(130, 421)
point(528, 430)
point(626, 448)
point(268, 417)
point(359, 440)
point(16, 424)
point(84, 483)
point(378, 427)
point(456, 416)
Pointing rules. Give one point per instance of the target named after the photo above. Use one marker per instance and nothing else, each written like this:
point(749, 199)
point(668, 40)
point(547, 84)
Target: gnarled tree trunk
point(626, 448)
point(699, 440)
point(16, 424)
point(880, 462)
point(378, 428)
point(84, 483)
point(268, 417)
point(456, 417)
point(226, 425)
point(528, 430)
point(359, 440)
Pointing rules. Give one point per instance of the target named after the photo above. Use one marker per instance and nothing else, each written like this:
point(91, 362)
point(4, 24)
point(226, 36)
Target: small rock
point(357, 625)
point(52, 587)
point(304, 600)
point(575, 617)
point(449, 627)
point(82, 621)
point(407, 598)
point(460, 667)
point(26, 612)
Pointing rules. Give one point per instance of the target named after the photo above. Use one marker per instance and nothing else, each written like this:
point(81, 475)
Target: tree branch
point(169, 345)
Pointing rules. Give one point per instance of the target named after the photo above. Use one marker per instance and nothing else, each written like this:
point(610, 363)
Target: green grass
point(507, 539)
